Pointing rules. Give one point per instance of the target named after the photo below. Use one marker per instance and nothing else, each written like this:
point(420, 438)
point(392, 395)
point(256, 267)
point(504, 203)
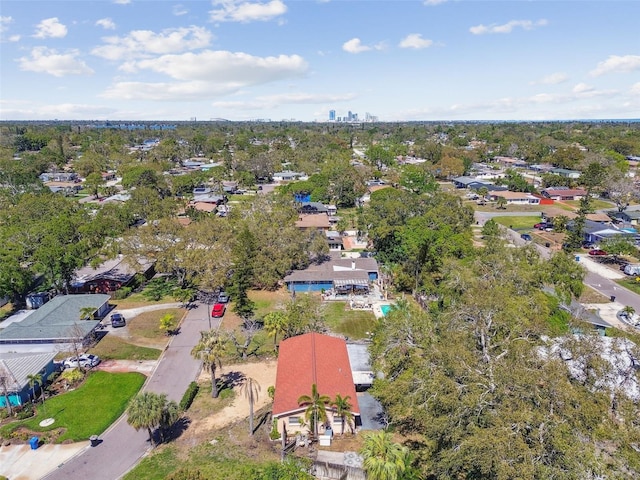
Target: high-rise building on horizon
point(332, 115)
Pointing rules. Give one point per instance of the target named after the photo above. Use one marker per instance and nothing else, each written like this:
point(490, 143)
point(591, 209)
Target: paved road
point(122, 447)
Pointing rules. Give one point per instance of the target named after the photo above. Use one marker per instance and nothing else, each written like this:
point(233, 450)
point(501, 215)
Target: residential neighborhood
point(228, 289)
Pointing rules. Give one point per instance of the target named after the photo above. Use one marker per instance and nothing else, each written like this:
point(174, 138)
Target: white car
point(86, 360)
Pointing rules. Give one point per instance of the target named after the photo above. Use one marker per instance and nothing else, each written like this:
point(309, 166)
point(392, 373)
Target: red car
point(597, 252)
point(218, 310)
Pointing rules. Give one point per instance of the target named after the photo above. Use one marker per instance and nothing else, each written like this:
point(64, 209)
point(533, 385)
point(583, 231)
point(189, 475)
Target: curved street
point(122, 447)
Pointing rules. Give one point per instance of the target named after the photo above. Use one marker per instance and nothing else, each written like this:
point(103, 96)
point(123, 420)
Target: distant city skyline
point(428, 60)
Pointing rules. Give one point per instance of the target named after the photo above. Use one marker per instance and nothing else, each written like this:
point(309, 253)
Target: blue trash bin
point(34, 442)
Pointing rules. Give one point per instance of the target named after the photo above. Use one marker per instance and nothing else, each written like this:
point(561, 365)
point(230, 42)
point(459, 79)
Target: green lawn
point(630, 283)
point(352, 323)
point(115, 348)
point(596, 204)
point(88, 410)
point(147, 324)
point(517, 222)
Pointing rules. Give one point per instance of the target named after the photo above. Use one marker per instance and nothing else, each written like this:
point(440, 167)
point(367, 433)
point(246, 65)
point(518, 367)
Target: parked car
point(218, 310)
point(85, 360)
point(540, 225)
point(223, 297)
point(632, 269)
point(118, 320)
point(526, 236)
point(596, 252)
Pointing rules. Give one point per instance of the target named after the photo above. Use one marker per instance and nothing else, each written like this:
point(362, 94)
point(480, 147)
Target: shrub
point(274, 434)
point(25, 412)
point(122, 293)
point(189, 395)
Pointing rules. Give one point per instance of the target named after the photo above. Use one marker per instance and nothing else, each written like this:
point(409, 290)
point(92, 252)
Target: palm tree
point(210, 349)
point(343, 410)
point(34, 378)
point(5, 380)
point(86, 313)
point(274, 323)
point(501, 202)
point(145, 411)
point(250, 388)
point(628, 311)
point(384, 459)
point(170, 415)
point(316, 407)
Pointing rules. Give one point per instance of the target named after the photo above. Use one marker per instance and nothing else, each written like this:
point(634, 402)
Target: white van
point(632, 269)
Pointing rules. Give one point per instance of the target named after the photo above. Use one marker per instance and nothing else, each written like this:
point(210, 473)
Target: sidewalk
point(19, 462)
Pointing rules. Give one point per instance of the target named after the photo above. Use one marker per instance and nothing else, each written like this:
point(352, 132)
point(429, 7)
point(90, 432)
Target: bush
point(189, 395)
point(122, 293)
point(25, 412)
point(274, 434)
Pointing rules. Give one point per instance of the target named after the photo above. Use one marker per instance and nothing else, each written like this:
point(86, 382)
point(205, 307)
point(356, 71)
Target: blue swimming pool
point(385, 309)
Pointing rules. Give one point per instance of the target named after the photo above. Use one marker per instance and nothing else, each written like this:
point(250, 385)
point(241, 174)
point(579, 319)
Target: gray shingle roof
point(56, 319)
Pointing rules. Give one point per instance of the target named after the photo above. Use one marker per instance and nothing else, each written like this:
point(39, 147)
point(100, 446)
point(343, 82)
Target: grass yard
point(630, 283)
point(596, 204)
point(517, 222)
point(491, 207)
point(351, 323)
point(136, 300)
point(115, 348)
point(88, 410)
point(267, 301)
point(147, 325)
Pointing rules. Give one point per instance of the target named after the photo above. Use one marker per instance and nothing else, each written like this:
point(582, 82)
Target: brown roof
point(310, 359)
point(312, 221)
point(204, 206)
point(565, 192)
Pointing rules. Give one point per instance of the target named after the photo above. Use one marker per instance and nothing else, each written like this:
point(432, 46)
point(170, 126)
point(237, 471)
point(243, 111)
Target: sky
point(398, 60)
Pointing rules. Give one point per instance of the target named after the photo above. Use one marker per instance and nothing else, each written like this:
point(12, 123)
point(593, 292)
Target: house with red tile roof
point(303, 361)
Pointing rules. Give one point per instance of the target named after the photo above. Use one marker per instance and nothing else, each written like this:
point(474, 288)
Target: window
point(294, 421)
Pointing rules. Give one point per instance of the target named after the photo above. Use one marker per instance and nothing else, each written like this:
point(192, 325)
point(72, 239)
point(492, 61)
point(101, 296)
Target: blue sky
point(281, 59)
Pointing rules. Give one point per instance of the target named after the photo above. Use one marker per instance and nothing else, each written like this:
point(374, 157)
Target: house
point(314, 208)
point(66, 177)
point(288, 176)
point(516, 198)
point(464, 181)
point(344, 275)
point(109, 276)
point(17, 367)
point(563, 193)
point(596, 232)
point(56, 323)
point(563, 172)
point(630, 217)
point(311, 221)
point(334, 239)
point(306, 360)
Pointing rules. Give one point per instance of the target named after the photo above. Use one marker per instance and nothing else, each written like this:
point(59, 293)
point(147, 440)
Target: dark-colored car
point(596, 252)
point(526, 236)
point(218, 310)
point(118, 320)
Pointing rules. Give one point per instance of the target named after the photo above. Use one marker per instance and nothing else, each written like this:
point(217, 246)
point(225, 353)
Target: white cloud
point(415, 40)
point(179, 10)
point(552, 79)
point(106, 23)
point(507, 27)
point(239, 11)
point(63, 111)
point(207, 74)
point(617, 63)
point(433, 2)
point(141, 43)
point(582, 88)
point(50, 27)
point(45, 60)
point(122, 2)
point(4, 23)
point(354, 46)
point(14, 38)
point(635, 89)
